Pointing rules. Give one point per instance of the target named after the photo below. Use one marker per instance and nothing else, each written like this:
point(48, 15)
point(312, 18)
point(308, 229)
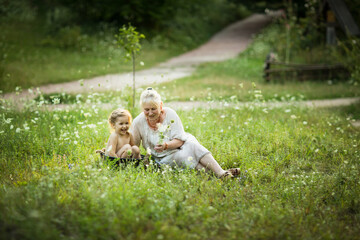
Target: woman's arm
point(132, 141)
point(173, 144)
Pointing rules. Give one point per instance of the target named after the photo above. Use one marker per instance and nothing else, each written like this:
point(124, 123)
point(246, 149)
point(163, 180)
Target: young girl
point(121, 142)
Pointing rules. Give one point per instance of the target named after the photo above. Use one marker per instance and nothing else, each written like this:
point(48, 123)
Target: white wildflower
point(161, 127)
point(26, 127)
point(305, 122)
point(148, 151)
point(18, 130)
point(56, 101)
point(8, 120)
point(142, 63)
point(293, 116)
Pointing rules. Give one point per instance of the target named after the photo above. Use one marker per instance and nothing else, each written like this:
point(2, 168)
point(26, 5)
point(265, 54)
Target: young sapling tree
point(129, 40)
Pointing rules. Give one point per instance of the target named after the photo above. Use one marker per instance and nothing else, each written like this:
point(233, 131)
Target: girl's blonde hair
point(150, 96)
point(119, 113)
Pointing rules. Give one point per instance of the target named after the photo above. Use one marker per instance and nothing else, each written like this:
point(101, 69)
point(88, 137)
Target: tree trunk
point(133, 58)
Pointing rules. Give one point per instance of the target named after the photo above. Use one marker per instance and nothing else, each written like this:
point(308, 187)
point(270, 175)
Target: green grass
point(300, 167)
point(30, 59)
point(300, 177)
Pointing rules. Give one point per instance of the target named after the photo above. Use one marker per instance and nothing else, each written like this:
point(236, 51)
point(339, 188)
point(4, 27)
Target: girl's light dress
point(187, 156)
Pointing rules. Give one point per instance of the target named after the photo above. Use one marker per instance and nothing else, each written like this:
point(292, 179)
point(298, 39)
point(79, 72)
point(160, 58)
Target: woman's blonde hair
point(119, 113)
point(150, 96)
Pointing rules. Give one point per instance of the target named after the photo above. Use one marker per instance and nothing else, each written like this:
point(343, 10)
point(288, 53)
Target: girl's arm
point(112, 143)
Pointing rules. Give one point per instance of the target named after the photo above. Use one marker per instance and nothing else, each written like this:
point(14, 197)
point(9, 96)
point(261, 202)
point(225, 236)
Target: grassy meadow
point(300, 166)
point(300, 177)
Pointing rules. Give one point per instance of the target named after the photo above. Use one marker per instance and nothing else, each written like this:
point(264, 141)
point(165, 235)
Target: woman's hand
point(161, 147)
point(173, 144)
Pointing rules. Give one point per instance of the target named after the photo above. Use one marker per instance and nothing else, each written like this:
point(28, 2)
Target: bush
point(67, 37)
point(350, 52)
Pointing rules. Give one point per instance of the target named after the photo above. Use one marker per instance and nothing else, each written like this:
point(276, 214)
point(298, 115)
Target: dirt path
point(339, 102)
point(226, 44)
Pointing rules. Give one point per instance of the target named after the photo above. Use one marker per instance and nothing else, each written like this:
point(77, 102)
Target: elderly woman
point(160, 129)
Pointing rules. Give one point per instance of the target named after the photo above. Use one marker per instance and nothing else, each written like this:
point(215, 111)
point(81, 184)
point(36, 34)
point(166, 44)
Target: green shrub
point(349, 54)
point(66, 38)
